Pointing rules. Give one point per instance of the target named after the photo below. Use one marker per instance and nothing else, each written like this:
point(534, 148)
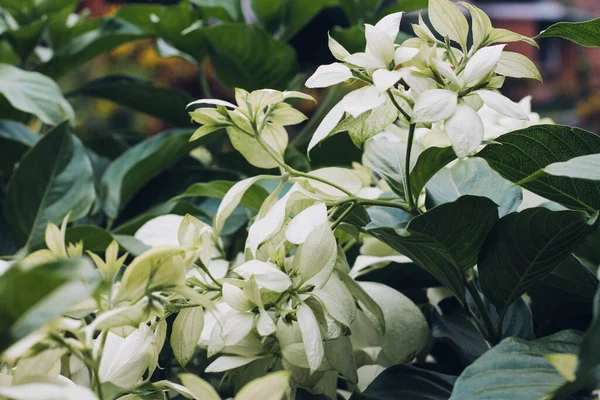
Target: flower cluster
point(432, 78)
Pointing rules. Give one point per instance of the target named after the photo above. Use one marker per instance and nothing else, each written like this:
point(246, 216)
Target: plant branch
point(207, 271)
point(294, 172)
point(492, 335)
point(407, 187)
point(330, 99)
point(404, 113)
point(343, 216)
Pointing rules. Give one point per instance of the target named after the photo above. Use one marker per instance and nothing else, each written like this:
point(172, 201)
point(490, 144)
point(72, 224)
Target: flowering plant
point(466, 212)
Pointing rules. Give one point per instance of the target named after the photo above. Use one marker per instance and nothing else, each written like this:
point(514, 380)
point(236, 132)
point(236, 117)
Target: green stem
point(88, 362)
point(406, 181)
point(295, 173)
point(492, 335)
point(343, 216)
point(404, 113)
point(207, 271)
point(332, 97)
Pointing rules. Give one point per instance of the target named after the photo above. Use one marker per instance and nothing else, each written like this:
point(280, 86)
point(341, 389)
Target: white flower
point(125, 360)
point(462, 124)
point(161, 230)
point(380, 61)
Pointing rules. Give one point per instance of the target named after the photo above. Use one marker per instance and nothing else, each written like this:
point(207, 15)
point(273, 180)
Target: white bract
point(428, 80)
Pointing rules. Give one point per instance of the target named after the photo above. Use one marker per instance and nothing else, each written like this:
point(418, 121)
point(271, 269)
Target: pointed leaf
point(36, 196)
point(524, 152)
point(524, 247)
point(516, 369)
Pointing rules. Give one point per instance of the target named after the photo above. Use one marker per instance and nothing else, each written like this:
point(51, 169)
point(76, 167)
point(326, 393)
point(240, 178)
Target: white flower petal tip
point(384, 79)
point(328, 75)
point(404, 54)
point(215, 102)
point(390, 24)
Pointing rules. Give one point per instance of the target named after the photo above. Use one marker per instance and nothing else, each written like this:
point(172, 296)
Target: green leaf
point(522, 153)
point(588, 368)
point(248, 57)
point(95, 239)
point(253, 198)
point(134, 168)
point(516, 369)
point(111, 34)
point(353, 38)
point(27, 11)
point(52, 179)
point(572, 278)
point(24, 39)
point(583, 33)
point(428, 164)
point(370, 123)
point(141, 95)
point(525, 247)
point(405, 5)
point(225, 10)
point(408, 382)
point(473, 176)
point(34, 93)
point(15, 140)
point(300, 12)
point(30, 297)
point(359, 11)
point(268, 12)
point(445, 240)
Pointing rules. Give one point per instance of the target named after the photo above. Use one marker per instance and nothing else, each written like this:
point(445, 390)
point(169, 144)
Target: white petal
point(343, 177)
point(311, 336)
point(482, 64)
point(502, 104)
point(435, 105)
point(199, 388)
point(225, 363)
point(46, 391)
point(338, 51)
point(231, 200)
point(390, 24)
point(292, 94)
point(328, 75)
point(265, 228)
point(236, 327)
point(379, 44)
point(235, 297)
point(404, 54)
point(364, 60)
point(327, 125)
point(160, 230)
point(384, 79)
point(337, 300)
point(318, 253)
point(446, 71)
point(465, 130)
point(265, 325)
point(215, 102)
point(363, 99)
point(302, 224)
point(418, 83)
point(267, 275)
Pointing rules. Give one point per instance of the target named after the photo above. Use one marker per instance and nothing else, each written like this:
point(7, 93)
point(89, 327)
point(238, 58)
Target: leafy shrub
point(462, 195)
